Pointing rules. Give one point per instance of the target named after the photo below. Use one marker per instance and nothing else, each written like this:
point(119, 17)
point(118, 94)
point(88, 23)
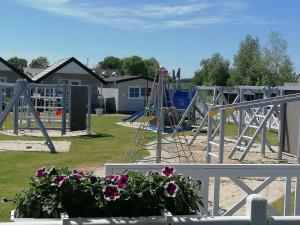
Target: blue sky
point(179, 33)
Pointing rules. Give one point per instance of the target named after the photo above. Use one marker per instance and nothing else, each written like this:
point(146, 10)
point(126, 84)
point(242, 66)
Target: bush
point(54, 191)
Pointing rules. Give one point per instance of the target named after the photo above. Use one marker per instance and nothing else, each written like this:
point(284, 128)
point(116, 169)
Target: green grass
point(109, 145)
point(279, 204)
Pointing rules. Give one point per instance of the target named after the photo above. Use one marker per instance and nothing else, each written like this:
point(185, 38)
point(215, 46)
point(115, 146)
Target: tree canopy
point(19, 63)
point(110, 62)
point(39, 62)
point(252, 65)
point(213, 71)
point(131, 66)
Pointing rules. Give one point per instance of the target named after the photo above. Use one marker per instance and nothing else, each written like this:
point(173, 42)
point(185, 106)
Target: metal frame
point(22, 90)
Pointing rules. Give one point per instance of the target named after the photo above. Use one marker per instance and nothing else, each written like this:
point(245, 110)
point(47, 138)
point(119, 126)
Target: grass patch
point(109, 145)
point(279, 204)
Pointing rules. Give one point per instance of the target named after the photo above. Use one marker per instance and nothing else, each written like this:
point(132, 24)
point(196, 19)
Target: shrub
point(54, 191)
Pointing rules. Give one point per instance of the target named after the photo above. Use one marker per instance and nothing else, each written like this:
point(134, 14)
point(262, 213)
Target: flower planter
point(65, 220)
point(126, 198)
point(41, 221)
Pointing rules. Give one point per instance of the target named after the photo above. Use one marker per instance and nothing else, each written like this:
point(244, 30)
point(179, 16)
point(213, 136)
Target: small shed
point(126, 94)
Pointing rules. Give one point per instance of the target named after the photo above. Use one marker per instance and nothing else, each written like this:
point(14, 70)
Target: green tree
point(19, 63)
point(134, 66)
point(247, 64)
point(279, 67)
point(152, 66)
point(213, 71)
point(39, 62)
point(110, 62)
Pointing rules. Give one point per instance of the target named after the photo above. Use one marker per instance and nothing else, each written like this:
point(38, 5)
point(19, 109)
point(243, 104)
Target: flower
point(171, 189)
point(111, 192)
point(41, 172)
point(79, 175)
point(168, 171)
point(122, 181)
point(152, 173)
point(93, 179)
point(111, 177)
point(52, 171)
point(59, 180)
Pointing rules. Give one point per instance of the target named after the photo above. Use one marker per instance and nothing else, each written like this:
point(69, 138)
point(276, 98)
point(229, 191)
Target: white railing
point(236, 173)
point(256, 214)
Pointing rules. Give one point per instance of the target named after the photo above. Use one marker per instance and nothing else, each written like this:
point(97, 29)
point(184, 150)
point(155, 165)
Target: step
point(247, 137)
point(260, 116)
point(214, 143)
point(214, 155)
point(254, 126)
point(240, 147)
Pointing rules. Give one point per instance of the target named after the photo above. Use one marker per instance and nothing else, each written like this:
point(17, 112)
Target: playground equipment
point(161, 114)
point(60, 107)
point(21, 91)
point(252, 109)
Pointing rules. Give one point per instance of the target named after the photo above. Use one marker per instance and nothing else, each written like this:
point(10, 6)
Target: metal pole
point(281, 128)
point(89, 108)
point(159, 117)
point(209, 132)
point(64, 111)
point(221, 141)
point(240, 111)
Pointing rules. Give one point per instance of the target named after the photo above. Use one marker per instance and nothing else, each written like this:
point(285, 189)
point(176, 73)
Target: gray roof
point(50, 68)
point(125, 78)
point(106, 72)
point(31, 72)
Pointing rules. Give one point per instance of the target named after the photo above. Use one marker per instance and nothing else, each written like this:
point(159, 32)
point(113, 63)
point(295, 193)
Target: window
point(143, 91)
point(70, 81)
point(138, 92)
point(134, 92)
point(3, 80)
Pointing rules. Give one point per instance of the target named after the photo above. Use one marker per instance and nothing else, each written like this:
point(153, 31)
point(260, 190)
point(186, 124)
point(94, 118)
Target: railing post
point(256, 209)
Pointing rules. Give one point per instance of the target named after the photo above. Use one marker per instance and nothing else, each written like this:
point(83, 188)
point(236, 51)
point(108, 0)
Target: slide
point(134, 116)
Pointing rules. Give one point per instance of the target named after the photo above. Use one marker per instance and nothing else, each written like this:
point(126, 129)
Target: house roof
point(125, 78)
point(31, 72)
point(16, 70)
point(105, 73)
point(59, 65)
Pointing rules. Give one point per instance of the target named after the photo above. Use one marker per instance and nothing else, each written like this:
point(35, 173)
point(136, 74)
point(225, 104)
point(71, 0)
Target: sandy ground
point(51, 133)
point(230, 192)
point(33, 146)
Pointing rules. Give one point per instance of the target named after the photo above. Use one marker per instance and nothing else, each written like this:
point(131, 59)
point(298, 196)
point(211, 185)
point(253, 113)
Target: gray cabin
point(10, 74)
point(126, 94)
point(70, 71)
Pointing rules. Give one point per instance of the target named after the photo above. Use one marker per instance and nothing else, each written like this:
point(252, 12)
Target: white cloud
point(170, 14)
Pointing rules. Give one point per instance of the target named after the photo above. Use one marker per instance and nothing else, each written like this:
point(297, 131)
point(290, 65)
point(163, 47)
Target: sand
point(51, 133)
point(33, 146)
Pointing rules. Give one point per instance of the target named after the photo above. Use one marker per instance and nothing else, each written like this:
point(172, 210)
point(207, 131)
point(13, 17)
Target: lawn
point(109, 145)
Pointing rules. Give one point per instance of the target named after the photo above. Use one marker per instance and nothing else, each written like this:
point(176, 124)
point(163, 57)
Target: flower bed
point(55, 191)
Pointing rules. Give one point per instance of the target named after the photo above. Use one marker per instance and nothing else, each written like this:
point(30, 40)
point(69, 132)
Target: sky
point(178, 33)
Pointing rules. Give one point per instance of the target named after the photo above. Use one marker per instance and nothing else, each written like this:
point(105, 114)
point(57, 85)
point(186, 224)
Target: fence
point(236, 173)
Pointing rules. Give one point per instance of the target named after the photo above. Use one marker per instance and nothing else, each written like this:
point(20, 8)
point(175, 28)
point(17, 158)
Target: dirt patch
point(33, 146)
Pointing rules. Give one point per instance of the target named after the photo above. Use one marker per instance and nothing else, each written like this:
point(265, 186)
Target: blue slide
point(134, 116)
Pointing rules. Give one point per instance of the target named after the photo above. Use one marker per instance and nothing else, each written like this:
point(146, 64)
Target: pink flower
point(168, 171)
point(41, 172)
point(59, 180)
point(79, 175)
point(112, 177)
point(122, 181)
point(111, 193)
point(171, 189)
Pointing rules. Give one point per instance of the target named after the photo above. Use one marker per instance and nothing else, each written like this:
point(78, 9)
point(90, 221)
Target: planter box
point(99, 111)
point(65, 220)
point(42, 221)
